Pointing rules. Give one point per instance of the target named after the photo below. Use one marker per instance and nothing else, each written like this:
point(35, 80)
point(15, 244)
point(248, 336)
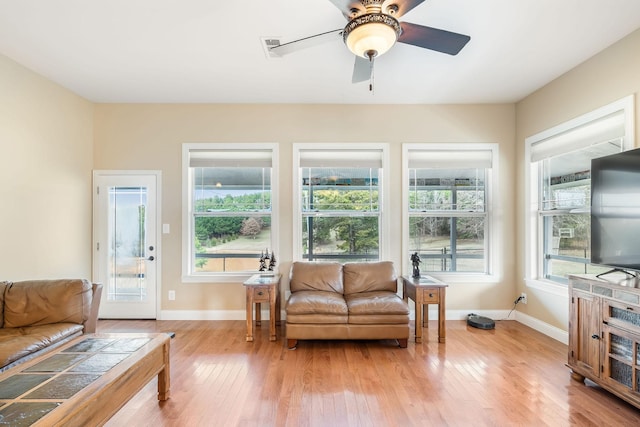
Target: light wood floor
point(510, 376)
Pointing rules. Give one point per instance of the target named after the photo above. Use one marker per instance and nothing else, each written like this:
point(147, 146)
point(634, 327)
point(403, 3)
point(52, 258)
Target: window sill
point(462, 277)
point(547, 286)
point(219, 278)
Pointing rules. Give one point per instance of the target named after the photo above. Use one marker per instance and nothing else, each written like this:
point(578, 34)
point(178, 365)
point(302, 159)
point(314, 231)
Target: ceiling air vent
point(268, 43)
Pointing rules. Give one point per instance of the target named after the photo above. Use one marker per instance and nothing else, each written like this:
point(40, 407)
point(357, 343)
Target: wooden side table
point(424, 291)
point(263, 288)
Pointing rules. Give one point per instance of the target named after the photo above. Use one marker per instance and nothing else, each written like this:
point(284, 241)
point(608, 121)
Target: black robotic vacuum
point(480, 322)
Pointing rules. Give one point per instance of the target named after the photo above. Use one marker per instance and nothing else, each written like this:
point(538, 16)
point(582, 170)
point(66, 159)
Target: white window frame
point(533, 223)
point(493, 248)
point(383, 188)
point(189, 276)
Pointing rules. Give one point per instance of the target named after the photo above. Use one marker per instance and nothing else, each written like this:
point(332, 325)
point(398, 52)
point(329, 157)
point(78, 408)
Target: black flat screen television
point(615, 211)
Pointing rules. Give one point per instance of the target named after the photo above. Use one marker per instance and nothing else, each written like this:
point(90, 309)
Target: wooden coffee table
point(84, 382)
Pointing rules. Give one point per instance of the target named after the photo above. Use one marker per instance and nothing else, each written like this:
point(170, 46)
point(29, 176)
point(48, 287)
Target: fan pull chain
point(371, 75)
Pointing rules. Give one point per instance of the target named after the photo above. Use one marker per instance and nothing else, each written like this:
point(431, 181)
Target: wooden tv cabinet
point(604, 333)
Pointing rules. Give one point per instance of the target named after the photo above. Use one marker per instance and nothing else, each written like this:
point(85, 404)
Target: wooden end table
point(424, 291)
point(263, 288)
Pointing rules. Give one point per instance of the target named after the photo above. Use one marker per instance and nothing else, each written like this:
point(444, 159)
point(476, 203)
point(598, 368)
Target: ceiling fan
point(373, 28)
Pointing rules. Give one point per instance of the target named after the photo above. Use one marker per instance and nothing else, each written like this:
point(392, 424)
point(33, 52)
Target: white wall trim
point(212, 315)
point(96, 173)
point(205, 315)
point(385, 204)
point(493, 251)
point(189, 276)
point(497, 315)
point(241, 314)
point(533, 231)
point(542, 327)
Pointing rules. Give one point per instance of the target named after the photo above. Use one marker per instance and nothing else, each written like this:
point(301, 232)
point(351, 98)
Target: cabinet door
point(584, 334)
point(621, 364)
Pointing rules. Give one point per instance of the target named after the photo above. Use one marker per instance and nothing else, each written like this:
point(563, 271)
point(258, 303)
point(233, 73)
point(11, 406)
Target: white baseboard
point(462, 314)
point(209, 315)
point(532, 322)
point(544, 328)
point(540, 326)
point(206, 315)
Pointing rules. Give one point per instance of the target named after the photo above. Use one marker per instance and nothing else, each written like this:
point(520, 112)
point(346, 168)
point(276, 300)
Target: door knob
point(151, 258)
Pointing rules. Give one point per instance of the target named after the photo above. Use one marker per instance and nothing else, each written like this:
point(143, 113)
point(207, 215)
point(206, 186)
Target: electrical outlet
point(172, 295)
point(523, 298)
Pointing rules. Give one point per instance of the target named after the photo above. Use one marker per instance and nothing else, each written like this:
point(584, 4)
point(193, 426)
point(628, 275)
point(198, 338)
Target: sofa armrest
point(92, 322)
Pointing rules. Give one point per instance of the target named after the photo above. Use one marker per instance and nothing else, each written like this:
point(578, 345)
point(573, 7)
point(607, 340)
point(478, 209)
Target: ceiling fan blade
point(305, 42)
point(361, 70)
point(432, 38)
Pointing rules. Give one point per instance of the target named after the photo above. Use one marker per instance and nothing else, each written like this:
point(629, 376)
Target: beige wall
point(50, 139)
point(46, 142)
point(607, 77)
point(151, 136)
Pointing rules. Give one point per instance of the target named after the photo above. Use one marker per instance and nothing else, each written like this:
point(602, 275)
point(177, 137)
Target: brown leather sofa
point(330, 300)
point(39, 315)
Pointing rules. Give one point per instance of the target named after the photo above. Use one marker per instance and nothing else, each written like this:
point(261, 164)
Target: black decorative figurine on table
point(272, 263)
point(415, 261)
point(263, 261)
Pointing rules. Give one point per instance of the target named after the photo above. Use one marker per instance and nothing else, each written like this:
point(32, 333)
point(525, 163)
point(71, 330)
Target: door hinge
point(98, 190)
point(601, 368)
point(98, 246)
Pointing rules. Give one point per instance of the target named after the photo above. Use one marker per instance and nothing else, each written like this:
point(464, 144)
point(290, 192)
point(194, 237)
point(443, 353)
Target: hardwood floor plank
point(511, 375)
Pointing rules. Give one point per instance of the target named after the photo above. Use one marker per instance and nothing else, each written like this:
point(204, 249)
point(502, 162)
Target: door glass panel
point(127, 244)
point(621, 372)
point(625, 315)
point(622, 347)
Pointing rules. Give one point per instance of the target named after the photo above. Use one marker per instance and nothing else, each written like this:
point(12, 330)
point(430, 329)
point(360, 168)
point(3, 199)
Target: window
point(447, 199)
point(229, 209)
point(558, 235)
point(339, 200)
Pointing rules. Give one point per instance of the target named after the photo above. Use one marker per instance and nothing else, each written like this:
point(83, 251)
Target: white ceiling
point(197, 51)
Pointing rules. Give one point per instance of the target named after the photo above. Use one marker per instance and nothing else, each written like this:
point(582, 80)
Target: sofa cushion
point(316, 307)
point(369, 277)
point(317, 276)
point(41, 302)
point(378, 307)
point(3, 287)
point(16, 343)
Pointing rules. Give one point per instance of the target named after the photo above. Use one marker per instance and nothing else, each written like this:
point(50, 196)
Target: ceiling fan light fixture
point(371, 33)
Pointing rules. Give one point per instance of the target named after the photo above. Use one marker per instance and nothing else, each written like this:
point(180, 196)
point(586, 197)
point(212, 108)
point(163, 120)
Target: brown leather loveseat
point(330, 300)
point(39, 315)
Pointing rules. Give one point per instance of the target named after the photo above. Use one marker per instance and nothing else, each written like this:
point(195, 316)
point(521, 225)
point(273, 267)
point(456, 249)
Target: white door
point(125, 247)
